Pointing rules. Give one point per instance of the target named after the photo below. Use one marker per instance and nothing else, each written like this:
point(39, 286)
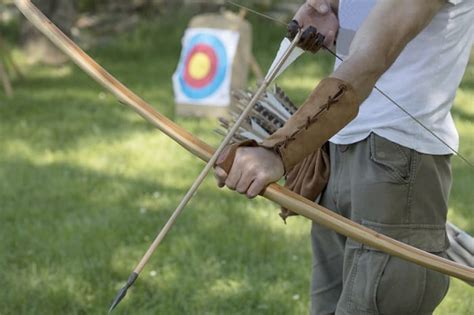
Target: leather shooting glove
point(311, 40)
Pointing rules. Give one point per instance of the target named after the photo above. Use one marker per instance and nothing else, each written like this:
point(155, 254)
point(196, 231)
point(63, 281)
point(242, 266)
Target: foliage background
point(86, 184)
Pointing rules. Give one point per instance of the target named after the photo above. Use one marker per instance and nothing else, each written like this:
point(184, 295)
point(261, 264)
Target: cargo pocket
point(407, 288)
point(377, 283)
point(391, 159)
point(365, 271)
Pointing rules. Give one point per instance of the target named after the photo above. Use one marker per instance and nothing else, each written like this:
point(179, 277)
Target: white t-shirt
point(423, 80)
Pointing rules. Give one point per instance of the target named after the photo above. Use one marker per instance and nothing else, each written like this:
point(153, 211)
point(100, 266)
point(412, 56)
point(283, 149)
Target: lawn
point(86, 184)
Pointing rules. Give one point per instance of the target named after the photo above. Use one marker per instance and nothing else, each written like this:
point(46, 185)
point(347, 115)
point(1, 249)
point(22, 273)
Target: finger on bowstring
point(329, 39)
point(292, 28)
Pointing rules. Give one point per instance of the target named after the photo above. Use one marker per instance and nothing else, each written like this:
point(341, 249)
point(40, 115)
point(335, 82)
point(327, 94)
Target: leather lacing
point(312, 119)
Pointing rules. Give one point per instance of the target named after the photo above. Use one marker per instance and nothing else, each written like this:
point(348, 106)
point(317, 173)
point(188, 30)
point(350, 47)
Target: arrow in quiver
point(270, 113)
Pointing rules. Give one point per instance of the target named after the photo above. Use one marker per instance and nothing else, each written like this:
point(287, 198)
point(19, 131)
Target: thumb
point(226, 158)
point(320, 6)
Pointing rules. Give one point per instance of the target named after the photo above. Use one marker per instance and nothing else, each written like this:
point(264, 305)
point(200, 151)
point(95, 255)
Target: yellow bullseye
point(199, 66)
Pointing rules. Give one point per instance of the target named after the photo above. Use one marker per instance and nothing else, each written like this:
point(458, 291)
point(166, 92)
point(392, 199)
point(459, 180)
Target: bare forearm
point(391, 25)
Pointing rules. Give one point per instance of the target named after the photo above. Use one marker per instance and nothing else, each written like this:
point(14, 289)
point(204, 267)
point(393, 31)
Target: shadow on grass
point(78, 242)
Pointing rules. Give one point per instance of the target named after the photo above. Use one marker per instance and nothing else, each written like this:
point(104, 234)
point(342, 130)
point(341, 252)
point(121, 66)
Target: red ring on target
point(207, 79)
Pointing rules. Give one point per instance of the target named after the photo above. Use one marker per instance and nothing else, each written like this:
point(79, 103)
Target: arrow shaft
point(212, 161)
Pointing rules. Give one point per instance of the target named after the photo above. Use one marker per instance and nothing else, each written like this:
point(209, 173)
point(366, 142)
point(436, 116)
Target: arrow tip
point(123, 291)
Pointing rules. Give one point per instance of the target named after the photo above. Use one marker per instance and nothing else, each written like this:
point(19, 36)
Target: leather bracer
point(330, 107)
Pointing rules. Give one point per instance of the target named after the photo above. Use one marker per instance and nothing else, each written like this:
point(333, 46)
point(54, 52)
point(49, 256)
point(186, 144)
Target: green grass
point(86, 184)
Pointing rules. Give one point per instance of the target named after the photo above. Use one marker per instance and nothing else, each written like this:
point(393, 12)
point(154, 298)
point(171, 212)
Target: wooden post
point(257, 71)
point(12, 66)
point(5, 80)
point(4, 56)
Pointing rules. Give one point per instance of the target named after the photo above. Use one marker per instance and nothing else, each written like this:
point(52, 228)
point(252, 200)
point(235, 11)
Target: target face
point(204, 72)
point(204, 67)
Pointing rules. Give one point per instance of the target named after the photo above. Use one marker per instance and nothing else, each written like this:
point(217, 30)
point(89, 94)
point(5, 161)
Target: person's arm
point(391, 25)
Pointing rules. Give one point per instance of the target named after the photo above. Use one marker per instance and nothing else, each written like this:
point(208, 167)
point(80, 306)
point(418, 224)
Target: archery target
point(204, 71)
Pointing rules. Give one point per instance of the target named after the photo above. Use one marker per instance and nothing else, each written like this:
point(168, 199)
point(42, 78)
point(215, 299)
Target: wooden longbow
point(274, 192)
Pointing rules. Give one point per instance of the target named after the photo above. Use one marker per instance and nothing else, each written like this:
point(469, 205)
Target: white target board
point(204, 72)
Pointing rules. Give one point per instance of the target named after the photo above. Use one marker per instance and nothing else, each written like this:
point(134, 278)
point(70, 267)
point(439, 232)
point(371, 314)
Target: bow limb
point(202, 150)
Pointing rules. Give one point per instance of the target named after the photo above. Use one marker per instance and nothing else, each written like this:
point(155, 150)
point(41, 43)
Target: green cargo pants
point(395, 191)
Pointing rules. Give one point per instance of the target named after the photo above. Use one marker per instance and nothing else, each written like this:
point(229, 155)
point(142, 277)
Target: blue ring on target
point(221, 67)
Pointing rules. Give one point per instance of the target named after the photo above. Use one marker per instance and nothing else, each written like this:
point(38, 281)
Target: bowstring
point(375, 87)
point(271, 18)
